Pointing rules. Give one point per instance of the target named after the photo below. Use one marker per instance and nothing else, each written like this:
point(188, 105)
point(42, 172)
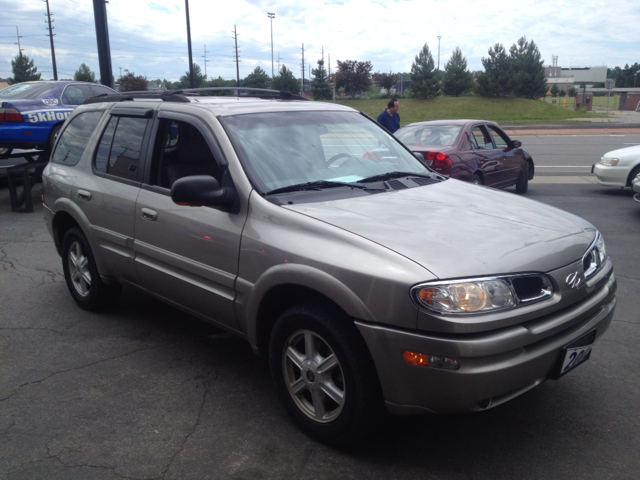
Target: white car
point(636, 188)
point(618, 168)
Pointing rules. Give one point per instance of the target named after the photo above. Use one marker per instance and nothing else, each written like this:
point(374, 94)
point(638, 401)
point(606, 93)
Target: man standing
point(389, 118)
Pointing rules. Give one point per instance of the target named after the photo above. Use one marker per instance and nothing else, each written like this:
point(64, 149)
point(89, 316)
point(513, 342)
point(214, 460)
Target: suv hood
point(455, 229)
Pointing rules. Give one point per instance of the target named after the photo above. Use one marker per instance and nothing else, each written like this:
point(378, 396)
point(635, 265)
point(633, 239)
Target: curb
point(568, 126)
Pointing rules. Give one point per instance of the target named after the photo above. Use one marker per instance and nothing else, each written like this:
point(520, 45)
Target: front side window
point(76, 94)
point(482, 138)
point(74, 139)
point(500, 141)
point(180, 150)
point(289, 148)
point(120, 147)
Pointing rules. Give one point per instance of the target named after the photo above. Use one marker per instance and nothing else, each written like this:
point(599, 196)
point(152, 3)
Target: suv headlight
point(481, 295)
point(611, 162)
point(595, 256)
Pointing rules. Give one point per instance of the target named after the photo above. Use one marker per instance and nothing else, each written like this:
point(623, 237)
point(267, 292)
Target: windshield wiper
point(390, 175)
point(317, 185)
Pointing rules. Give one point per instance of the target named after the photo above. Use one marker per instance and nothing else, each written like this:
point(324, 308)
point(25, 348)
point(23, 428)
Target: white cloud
point(150, 37)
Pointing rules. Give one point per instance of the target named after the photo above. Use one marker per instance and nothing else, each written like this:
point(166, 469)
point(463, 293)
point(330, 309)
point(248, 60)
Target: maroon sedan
point(475, 151)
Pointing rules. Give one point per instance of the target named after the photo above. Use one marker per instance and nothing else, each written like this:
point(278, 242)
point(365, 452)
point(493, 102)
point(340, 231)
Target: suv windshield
point(27, 91)
point(445, 135)
point(291, 148)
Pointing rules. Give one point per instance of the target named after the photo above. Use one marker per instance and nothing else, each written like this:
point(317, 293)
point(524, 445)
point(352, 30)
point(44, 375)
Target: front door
point(188, 255)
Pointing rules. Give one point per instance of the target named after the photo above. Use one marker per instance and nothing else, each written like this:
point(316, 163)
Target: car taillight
point(10, 115)
point(439, 159)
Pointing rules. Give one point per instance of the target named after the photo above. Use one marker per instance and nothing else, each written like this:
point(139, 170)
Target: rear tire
point(5, 152)
point(523, 182)
point(324, 374)
point(81, 274)
point(475, 180)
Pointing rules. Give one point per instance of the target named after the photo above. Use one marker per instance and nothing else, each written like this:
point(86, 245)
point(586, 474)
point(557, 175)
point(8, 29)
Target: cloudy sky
point(149, 37)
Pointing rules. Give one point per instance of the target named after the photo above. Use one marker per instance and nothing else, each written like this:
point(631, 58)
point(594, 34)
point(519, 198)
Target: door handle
point(149, 214)
point(83, 194)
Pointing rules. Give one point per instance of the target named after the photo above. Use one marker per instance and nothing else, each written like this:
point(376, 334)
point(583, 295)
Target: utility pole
point(19, 37)
point(192, 81)
point(278, 63)
point(120, 71)
point(271, 17)
point(302, 88)
point(205, 61)
point(53, 52)
point(235, 37)
point(439, 37)
point(102, 38)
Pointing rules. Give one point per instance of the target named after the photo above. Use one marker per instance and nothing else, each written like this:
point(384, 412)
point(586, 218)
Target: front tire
point(81, 274)
point(324, 374)
point(523, 182)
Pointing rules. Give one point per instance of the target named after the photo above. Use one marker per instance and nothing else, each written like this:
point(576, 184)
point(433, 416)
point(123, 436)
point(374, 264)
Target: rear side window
point(76, 94)
point(74, 139)
point(119, 150)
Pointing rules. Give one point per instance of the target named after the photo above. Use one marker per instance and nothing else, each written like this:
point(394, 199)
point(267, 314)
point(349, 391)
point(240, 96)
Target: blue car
point(31, 113)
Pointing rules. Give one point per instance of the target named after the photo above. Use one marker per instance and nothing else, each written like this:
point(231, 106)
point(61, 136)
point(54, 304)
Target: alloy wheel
point(79, 269)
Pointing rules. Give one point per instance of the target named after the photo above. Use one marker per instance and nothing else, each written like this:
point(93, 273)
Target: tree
point(571, 91)
point(562, 93)
point(198, 78)
point(220, 82)
point(285, 81)
point(129, 82)
point(354, 76)
point(625, 77)
point(319, 83)
point(424, 83)
point(84, 74)
point(23, 70)
point(258, 79)
point(457, 79)
point(527, 68)
point(386, 81)
point(554, 90)
point(496, 80)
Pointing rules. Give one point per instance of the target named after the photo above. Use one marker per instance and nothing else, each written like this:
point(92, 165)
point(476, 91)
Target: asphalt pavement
point(147, 392)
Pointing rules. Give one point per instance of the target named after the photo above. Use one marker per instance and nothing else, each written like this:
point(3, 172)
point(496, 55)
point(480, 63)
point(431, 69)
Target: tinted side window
point(75, 137)
point(100, 90)
point(501, 142)
point(76, 94)
point(126, 147)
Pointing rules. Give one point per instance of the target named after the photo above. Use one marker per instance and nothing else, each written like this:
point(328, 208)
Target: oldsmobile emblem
point(574, 280)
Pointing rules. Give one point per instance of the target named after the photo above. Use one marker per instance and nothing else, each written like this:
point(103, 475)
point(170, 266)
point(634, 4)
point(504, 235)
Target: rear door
point(108, 196)
point(489, 160)
point(188, 255)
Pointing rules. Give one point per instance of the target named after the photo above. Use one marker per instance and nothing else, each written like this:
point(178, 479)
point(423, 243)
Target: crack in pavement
point(206, 384)
point(82, 367)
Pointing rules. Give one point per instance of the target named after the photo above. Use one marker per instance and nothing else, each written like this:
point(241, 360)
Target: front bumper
point(495, 366)
point(611, 176)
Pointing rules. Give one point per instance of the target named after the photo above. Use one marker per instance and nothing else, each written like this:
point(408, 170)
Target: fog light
point(432, 361)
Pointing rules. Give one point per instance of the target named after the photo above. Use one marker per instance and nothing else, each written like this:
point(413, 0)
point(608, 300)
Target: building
point(573, 76)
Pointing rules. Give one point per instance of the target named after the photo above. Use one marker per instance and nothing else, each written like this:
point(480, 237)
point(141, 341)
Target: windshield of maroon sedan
point(444, 135)
point(290, 148)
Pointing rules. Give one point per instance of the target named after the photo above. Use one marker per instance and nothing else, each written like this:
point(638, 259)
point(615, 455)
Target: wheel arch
point(283, 286)
point(632, 174)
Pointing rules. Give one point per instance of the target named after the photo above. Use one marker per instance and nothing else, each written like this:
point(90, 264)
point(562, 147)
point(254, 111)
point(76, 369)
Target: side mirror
point(419, 156)
point(516, 143)
point(201, 190)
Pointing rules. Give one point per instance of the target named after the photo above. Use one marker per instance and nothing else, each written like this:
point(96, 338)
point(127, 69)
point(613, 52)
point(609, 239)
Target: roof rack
point(181, 95)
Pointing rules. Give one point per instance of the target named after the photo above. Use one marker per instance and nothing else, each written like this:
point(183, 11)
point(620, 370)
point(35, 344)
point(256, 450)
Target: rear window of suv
point(75, 138)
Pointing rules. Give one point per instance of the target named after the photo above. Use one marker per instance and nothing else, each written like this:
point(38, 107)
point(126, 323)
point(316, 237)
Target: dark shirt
point(387, 121)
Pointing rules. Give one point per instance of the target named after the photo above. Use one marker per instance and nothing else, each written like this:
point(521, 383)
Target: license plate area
point(574, 354)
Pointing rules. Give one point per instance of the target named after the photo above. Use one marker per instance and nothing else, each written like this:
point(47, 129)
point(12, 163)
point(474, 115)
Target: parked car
point(31, 113)
point(618, 168)
point(636, 188)
point(475, 151)
point(366, 283)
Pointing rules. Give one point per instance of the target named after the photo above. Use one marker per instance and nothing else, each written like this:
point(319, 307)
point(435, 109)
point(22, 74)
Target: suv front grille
point(526, 287)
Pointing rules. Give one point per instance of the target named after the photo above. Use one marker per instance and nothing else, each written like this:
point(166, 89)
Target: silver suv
point(371, 285)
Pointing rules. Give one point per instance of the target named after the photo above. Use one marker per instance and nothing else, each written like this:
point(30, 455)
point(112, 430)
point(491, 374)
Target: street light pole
point(635, 76)
point(271, 17)
point(191, 79)
point(439, 37)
